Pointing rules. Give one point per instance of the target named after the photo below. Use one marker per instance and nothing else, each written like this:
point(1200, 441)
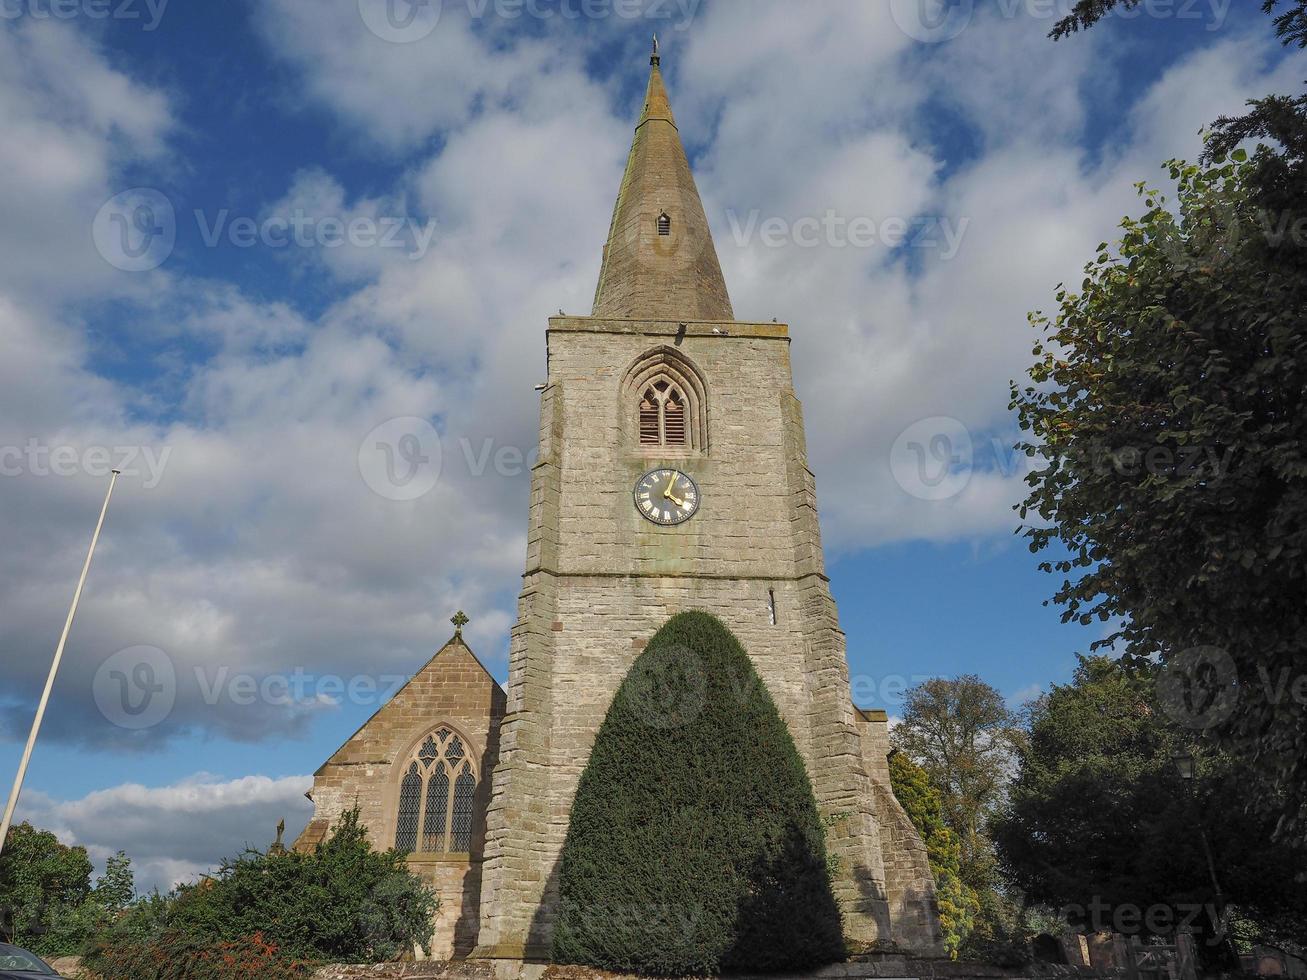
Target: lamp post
point(54, 669)
point(1185, 766)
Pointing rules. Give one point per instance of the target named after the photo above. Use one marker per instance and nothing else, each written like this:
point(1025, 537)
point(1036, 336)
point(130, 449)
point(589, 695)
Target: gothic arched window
point(666, 399)
point(664, 224)
point(436, 797)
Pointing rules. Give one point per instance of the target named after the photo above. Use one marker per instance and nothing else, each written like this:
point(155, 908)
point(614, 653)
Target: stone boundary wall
point(881, 968)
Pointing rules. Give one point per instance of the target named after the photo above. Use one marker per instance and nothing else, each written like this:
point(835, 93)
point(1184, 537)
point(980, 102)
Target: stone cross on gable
point(459, 619)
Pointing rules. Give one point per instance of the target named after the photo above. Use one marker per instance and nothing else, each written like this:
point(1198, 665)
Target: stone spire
point(659, 262)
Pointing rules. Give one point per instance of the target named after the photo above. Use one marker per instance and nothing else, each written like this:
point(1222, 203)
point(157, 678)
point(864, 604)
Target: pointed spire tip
point(655, 59)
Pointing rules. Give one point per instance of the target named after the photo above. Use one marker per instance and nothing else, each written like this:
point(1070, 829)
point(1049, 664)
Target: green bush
point(695, 845)
point(342, 902)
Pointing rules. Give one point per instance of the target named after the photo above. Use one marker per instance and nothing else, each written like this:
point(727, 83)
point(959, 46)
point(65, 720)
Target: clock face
point(666, 497)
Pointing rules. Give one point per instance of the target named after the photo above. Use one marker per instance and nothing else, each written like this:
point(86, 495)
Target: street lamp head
point(1184, 763)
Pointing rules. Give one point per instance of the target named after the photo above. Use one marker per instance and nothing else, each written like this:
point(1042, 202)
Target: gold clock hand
point(667, 493)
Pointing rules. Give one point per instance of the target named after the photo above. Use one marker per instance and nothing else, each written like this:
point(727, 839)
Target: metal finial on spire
point(459, 620)
point(655, 59)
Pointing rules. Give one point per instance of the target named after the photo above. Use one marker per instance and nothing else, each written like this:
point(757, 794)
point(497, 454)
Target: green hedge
point(695, 845)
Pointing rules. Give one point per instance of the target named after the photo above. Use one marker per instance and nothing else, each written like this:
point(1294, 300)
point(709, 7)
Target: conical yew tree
point(695, 845)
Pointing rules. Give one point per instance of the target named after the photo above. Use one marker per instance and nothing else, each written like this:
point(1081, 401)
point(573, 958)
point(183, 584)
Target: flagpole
point(54, 669)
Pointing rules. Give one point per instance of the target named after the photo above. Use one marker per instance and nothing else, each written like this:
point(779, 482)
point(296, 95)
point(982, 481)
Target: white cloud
point(175, 833)
point(262, 549)
point(69, 121)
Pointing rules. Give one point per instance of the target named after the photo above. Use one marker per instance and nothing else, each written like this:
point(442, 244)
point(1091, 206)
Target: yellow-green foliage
point(957, 903)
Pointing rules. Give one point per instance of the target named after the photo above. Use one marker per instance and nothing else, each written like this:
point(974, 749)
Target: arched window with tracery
point(667, 401)
point(436, 797)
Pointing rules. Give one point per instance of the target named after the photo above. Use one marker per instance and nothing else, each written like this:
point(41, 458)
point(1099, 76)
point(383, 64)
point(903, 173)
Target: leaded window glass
point(433, 825)
point(429, 821)
point(462, 822)
point(410, 800)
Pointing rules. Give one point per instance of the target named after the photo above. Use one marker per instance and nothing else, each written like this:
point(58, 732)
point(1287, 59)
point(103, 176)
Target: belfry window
point(436, 797)
point(664, 403)
point(662, 415)
point(664, 224)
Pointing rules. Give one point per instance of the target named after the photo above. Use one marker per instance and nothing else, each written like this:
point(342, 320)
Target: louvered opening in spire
point(660, 262)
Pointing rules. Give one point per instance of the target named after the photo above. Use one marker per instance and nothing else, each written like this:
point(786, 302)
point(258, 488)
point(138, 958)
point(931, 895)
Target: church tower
point(673, 475)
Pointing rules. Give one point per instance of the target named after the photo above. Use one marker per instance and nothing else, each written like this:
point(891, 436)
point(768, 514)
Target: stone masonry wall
point(908, 878)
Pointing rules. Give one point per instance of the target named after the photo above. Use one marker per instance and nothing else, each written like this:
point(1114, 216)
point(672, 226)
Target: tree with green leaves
point(1278, 179)
point(695, 845)
point(1290, 20)
point(924, 806)
point(962, 733)
point(41, 880)
point(1165, 412)
point(47, 902)
point(1103, 827)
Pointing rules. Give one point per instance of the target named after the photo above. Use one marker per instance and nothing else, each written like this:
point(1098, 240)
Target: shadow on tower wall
point(468, 925)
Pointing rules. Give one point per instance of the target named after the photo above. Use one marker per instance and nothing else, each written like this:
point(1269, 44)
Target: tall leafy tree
point(962, 733)
point(1165, 407)
point(1102, 827)
point(41, 879)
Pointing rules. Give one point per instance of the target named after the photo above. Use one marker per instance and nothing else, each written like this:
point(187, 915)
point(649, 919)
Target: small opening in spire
point(664, 224)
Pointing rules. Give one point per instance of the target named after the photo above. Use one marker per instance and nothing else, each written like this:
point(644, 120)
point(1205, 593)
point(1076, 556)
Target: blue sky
point(243, 376)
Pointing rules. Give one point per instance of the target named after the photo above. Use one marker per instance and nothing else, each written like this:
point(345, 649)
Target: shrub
point(177, 955)
point(695, 845)
point(342, 902)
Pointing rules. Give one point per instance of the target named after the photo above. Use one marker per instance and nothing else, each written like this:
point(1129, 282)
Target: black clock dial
point(666, 496)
